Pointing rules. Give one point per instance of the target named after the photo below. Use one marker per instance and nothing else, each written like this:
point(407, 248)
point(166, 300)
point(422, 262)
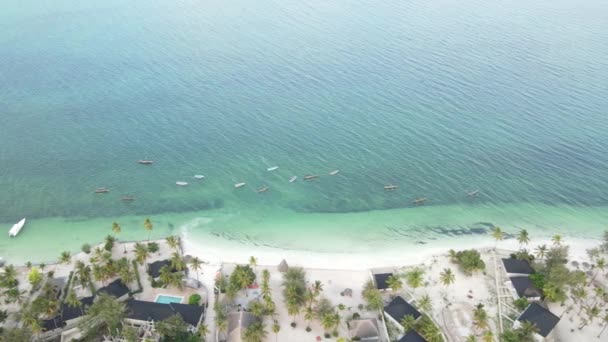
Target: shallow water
point(439, 97)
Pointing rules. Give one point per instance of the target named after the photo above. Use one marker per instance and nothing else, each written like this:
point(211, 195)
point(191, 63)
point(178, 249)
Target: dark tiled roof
point(399, 308)
point(524, 287)
point(145, 311)
point(154, 268)
point(412, 336)
point(52, 324)
point(544, 320)
point(517, 266)
point(68, 312)
point(380, 279)
point(115, 288)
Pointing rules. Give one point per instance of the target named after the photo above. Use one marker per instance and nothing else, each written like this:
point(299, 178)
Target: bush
point(327, 335)
point(194, 299)
point(293, 324)
point(308, 329)
point(341, 306)
point(521, 303)
point(356, 315)
point(86, 248)
point(468, 260)
point(335, 333)
point(153, 247)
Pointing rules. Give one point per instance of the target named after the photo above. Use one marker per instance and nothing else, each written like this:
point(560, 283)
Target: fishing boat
point(419, 201)
point(128, 198)
point(390, 187)
point(101, 190)
point(272, 168)
point(145, 162)
point(16, 228)
point(293, 179)
point(310, 177)
point(199, 176)
point(178, 183)
point(473, 193)
point(239, 185)
point(262, 189)
point(334, 172)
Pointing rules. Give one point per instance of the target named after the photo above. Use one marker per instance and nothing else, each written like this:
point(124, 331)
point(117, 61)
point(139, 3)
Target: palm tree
point(526, 330)
point(141, 253)
point(127, 275)
point(65, 257)
point(165, 275)
point(253, 262)
point(196, 265)
point(447, 277)
point(541, 251)
point(601, 264)
point(592, 312)
point(480, 317)
point(71, 300)
point(471, 338)
point(498, 235)
point(148, 227)
point(255, 333)
point(557, 240)
point(317, 288)
point(172, 242)
point(177, 262)
point(394, 282)
point(116, 228)
point(203, 330)
point(328, 321)
point(257, 309)
point(108, 311)
point(605, 320)
point(9, 277)
point(408, 322)
point(309, 314)
point(14, 295)
point(414, 278)
point(488, 336)
point(275, 329)
point(523, 238)
point(425, 304)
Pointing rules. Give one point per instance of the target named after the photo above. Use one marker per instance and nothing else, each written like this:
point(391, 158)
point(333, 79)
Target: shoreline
point(382, 235)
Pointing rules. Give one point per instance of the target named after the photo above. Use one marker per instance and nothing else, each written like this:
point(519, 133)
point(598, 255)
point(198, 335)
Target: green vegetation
point(194, 299)
point(153, 247)
point(372, 297)
point(294, 290)
point(415, 278)
point(148, 226)
point(525, 333)
point(468, 260)
point(447, 277)
point(86, 248)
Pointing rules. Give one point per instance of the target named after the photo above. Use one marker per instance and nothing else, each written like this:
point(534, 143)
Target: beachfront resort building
point(541, 317)
point(381, 281)
point(238, 322)
point(365, 330)
point(397, 309)
point(516, 267)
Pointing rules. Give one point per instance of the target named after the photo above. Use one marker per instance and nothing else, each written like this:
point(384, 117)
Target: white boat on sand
point(181, 183)
point(16, 228)
point(293, 179)
point(239, 185)
point(272, 168)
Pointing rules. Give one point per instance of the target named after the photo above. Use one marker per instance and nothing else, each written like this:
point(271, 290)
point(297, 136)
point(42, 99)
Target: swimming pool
point(164, 299)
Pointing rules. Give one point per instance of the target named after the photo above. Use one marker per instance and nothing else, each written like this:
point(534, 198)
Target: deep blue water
point(438, 97)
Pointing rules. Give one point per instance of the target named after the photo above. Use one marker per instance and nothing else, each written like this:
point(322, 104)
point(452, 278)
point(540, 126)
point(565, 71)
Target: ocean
point(438, 97)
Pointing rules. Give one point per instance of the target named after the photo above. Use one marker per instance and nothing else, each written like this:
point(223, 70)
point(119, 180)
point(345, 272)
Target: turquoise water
point(437, 97)
point(168, 299)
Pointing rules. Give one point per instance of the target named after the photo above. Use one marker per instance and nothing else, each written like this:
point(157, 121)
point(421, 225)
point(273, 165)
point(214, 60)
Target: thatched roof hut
point(283, 267)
